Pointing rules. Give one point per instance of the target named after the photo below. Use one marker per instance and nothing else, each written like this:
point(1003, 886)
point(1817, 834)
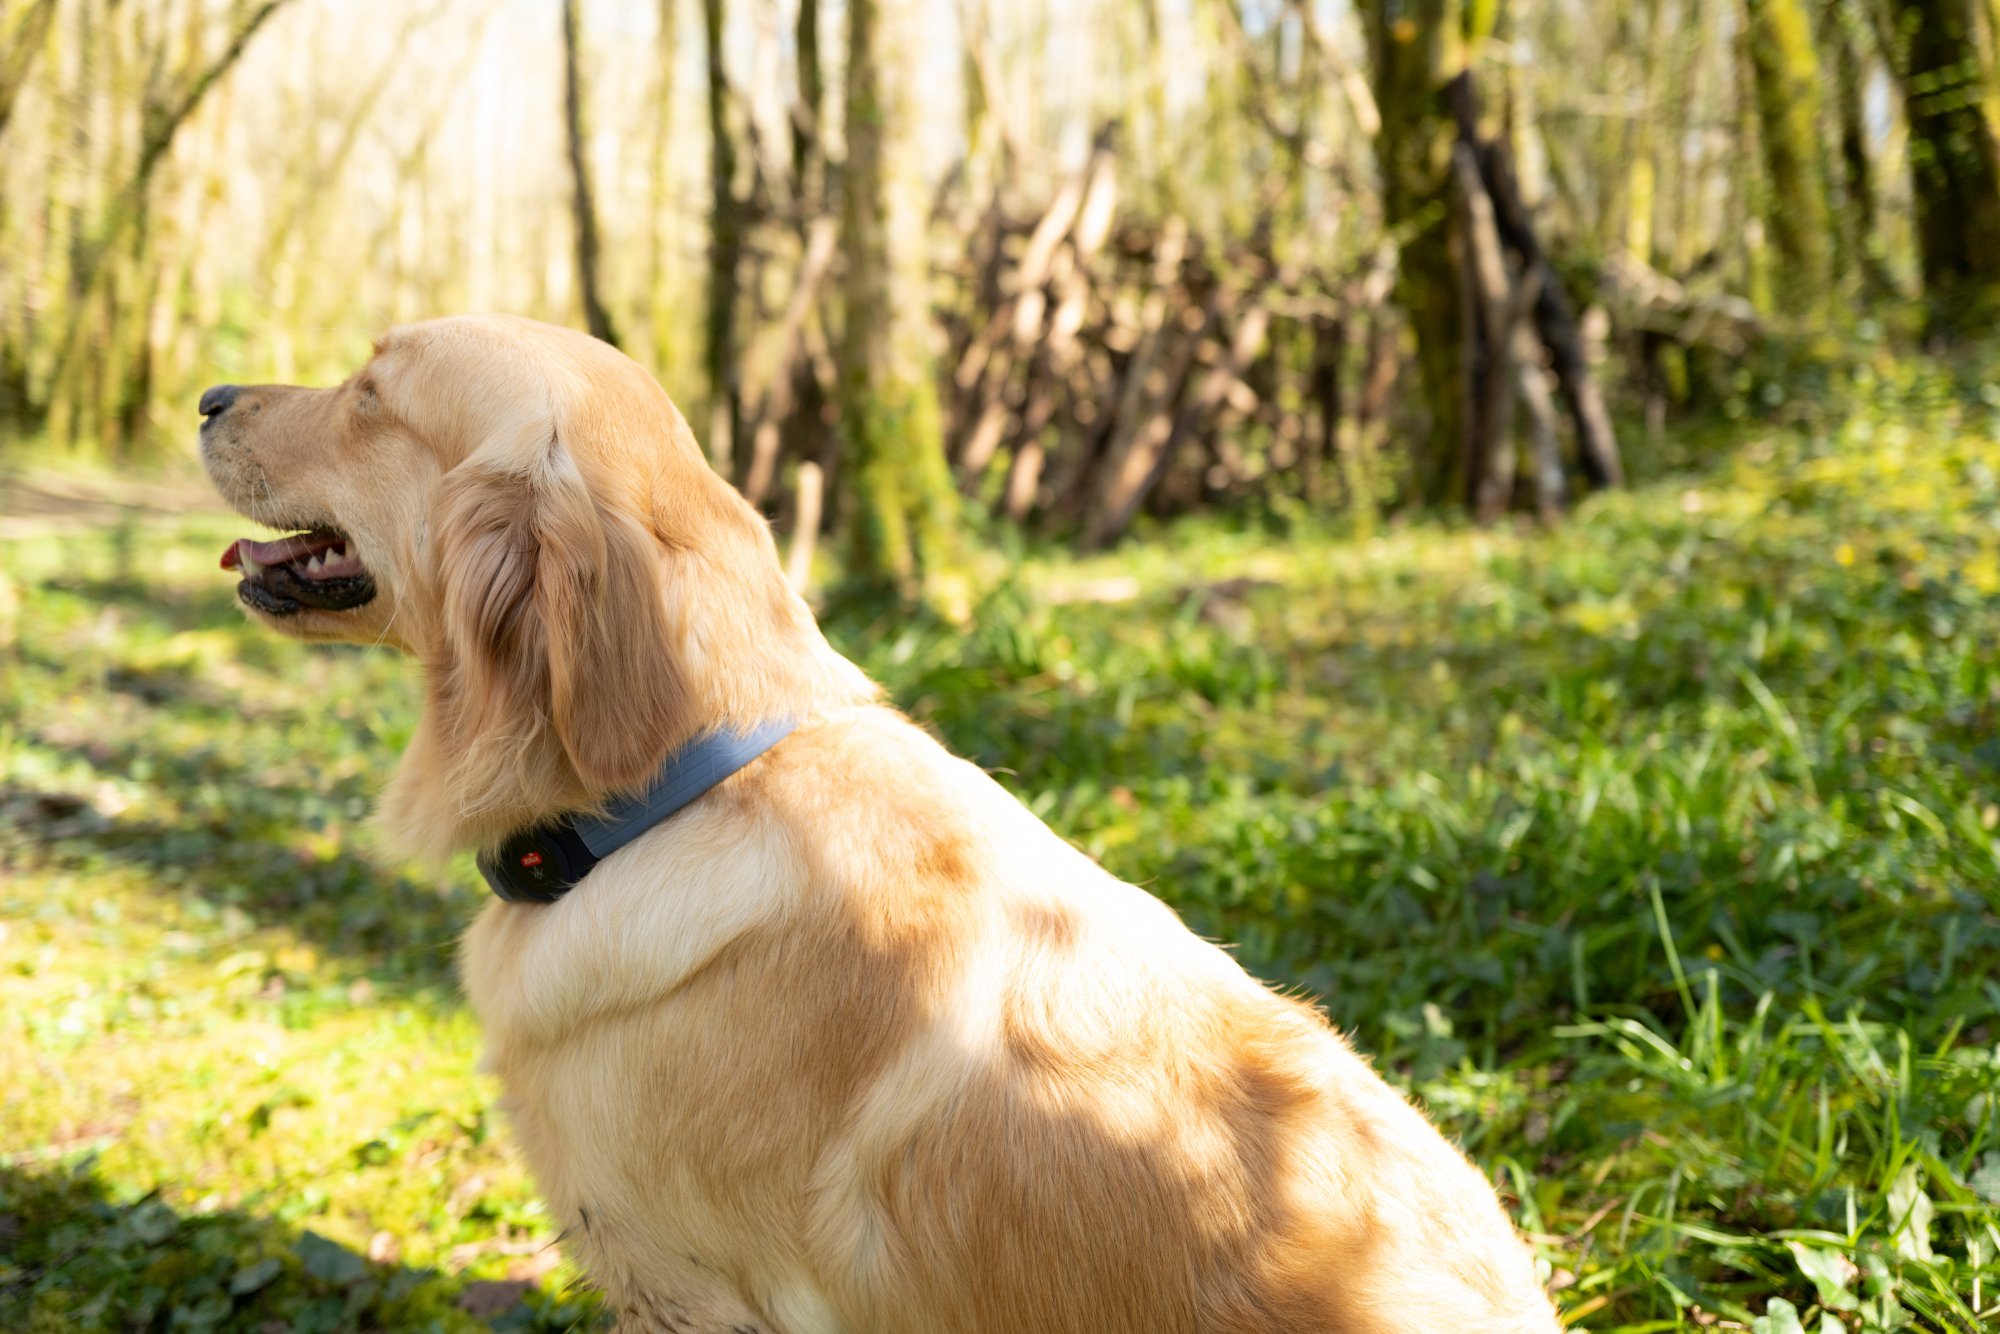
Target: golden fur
point(854, 1044)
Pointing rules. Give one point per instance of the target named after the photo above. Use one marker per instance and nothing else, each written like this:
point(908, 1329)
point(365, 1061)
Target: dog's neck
point(452, 792)
point(545, 861)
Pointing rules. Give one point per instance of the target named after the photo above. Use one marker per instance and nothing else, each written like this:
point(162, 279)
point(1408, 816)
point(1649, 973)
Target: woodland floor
point(1656, 854)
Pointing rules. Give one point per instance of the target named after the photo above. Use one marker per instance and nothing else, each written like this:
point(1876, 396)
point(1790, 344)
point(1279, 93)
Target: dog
point(852, 1043)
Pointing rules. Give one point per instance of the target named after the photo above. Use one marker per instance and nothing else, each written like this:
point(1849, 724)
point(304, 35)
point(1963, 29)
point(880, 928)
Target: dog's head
point(523, 509)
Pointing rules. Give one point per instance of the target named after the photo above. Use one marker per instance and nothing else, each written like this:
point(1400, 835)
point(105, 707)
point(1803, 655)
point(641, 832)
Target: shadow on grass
point(169, 686)
point(401, 933)
point(76, 1258)
point(174, 607)
point(237, 810)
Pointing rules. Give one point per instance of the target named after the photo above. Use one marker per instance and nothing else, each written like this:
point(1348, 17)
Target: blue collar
point(545, 861)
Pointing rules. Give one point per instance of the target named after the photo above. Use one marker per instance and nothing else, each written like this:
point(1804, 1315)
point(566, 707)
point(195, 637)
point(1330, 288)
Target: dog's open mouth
point(317, 569)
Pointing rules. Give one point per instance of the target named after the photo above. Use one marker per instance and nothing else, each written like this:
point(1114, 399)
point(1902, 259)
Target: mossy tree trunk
point(1785, 71)
point(1418, 47)
point(1954, 160)
point(900, 534)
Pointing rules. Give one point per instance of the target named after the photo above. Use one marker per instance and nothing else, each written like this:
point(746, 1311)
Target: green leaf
point(206, 1313)
point(1830, 1271)
point(152, 1222)
point(1780, 1317)
point(252, 1277)
point(329, 1260)
point(1910, 1211)
point(1985, 1179)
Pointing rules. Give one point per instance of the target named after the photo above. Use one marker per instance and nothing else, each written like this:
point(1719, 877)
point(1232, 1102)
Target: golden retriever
point(854, 1043)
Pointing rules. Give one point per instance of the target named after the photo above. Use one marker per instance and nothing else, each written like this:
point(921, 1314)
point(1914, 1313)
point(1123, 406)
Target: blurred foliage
point(1656, 854)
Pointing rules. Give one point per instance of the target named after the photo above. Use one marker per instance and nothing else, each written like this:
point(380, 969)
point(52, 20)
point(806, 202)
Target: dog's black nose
point(217, 398)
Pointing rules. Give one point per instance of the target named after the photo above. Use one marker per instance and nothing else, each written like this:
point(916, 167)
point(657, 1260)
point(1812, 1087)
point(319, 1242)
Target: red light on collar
point(532, 859)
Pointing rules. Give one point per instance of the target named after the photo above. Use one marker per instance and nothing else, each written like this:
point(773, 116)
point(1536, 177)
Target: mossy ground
point(1657, 854)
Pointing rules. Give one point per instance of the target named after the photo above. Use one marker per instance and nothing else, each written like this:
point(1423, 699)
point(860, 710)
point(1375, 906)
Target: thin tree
point(660, 163)
point(809, 112)
point(1785, 72)
point(899, 526)
point(725, 253)
point(24, 42)
point(583, 202)
point(1860, 241)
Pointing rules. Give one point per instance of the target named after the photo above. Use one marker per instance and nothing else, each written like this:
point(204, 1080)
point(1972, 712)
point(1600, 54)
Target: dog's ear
point(554, 622)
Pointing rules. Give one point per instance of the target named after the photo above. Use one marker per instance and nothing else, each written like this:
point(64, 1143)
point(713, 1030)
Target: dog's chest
point(644, 1071)
point(651, 1225)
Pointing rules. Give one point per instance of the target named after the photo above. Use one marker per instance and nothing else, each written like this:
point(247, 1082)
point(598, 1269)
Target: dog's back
point(860, 1045)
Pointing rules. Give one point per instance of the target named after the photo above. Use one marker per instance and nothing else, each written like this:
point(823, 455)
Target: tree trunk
point(1545, 449)
point(659, 235)
point(1597, 442)
point(805, 525)
point(1785, 71)
point(1861, 246)
point(1361, 442)
point(772, 403)
point(808, 137)
point(725, 251)
point(1490, 317)
point(23, 44)
point(1418, 47)
point(1954, 162)
point(1322, 442)
point(1749, 187)
point(900, 524)
point(583, 202)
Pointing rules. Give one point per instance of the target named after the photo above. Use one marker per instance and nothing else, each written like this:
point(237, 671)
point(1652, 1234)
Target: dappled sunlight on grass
point(1656, 854)
point(223, 994)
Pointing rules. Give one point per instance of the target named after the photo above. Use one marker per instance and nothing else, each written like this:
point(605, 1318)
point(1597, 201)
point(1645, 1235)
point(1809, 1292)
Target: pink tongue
point(280, 552)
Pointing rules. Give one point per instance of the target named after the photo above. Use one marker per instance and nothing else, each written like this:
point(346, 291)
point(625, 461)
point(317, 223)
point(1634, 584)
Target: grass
point(1656, 854)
